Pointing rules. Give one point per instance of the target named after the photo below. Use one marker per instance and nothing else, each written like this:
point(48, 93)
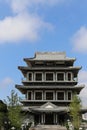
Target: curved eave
point(49, 68)
point(58, 110)
point(29, 61)
point(78, 88)
point(50, 87)
point(83, 110)
point(25, 69)
point(63, 110)
point(26, 109)
point(23, 89)
point(36, 59)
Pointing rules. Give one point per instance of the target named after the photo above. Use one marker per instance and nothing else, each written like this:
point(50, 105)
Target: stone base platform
point(48, 127)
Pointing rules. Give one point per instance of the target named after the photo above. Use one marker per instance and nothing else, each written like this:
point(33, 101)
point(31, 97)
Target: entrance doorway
point(49, 119)
point(37, 119)
point(61, 119)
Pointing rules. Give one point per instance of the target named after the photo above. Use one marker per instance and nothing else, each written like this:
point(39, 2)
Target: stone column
point(39, 119)
point(42, 118)
point(57, 119)
point(54, 118)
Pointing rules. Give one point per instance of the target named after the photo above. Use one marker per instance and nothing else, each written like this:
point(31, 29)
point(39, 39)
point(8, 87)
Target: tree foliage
point(1, 118)
point(3, 112)
point(75, 107)
point(14, 109)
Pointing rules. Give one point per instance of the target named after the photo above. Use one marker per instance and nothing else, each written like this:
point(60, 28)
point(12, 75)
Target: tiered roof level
point(49, 77)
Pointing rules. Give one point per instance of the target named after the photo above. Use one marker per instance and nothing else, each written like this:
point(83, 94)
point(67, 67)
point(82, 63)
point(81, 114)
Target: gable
point(48, 105)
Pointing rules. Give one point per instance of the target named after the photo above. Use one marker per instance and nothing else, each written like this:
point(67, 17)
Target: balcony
point(75, 79)
point(43, 101)
point(54, 82)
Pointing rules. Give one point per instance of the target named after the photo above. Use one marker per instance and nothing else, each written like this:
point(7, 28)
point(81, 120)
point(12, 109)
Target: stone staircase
point(48, 127)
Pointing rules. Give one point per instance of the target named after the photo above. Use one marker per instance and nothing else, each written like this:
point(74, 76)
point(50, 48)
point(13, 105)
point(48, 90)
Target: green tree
point(14, 109)
point(75, 107)
point(3, 112)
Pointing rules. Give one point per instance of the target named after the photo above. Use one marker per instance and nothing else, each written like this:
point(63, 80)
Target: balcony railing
point(25, 100)
point(45, 81)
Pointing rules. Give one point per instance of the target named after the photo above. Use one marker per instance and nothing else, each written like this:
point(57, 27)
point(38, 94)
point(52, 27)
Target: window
point(69, 96)
point(69, 77)
point(38, 76)
point(60, 95)
point(60, 76)
point(49, 95)
point(38, 95)
point(29, 95)
point(30, 76)
point(49, 76)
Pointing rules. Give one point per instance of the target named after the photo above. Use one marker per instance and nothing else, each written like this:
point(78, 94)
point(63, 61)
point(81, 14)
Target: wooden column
point(56, 118)
point(42, 118)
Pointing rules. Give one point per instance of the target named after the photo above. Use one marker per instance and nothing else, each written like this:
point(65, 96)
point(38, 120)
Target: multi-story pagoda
point(50, 80)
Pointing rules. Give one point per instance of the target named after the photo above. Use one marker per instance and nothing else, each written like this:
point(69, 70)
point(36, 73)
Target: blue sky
point(29, 26)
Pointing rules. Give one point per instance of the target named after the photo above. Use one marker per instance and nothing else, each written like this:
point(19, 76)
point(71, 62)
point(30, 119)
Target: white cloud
point(24, 25)
point(83, 95)
point(82, 78)
point(21, 27)
point(6, 85)
point(6, 82)
point(79, 40)
point(21, 5)
point(18, 6)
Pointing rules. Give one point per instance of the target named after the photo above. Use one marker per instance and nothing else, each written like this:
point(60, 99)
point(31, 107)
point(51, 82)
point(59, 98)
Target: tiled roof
point(50, 56)
point(50, 107)
point(55, 86)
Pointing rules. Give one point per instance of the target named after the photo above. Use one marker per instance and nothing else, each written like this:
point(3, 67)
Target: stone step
point(48, 127)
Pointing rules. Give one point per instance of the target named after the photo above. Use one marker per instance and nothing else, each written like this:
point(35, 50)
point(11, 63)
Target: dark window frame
point(60, 95)
point(49, 76)
point(38, 76)
point(60, 76)
point(38, 96)
point(69, 76)
point(30, 77)
point(49, 95)
point(29, 97)
point(69, 96)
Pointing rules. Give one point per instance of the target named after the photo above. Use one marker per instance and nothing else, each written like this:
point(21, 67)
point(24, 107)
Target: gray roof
point(50, 107)
point(55, 86)
point(50, 56)
point(49, 68)
point(47, 107)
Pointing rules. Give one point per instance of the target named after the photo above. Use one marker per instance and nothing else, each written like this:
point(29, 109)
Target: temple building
point(50, 80)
